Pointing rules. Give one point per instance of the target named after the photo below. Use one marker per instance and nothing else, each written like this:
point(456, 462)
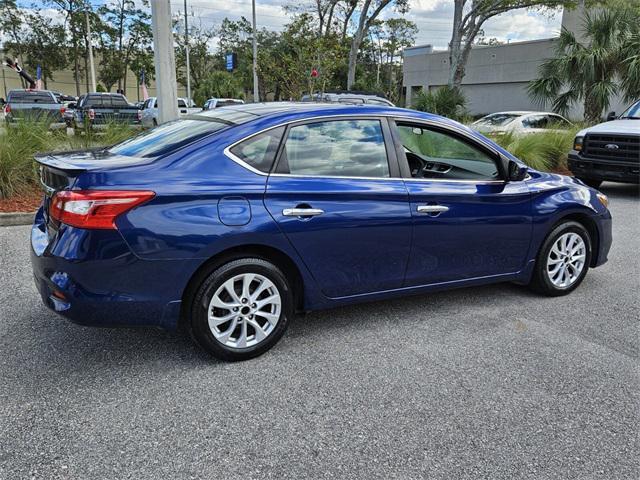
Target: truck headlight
point(577, 144)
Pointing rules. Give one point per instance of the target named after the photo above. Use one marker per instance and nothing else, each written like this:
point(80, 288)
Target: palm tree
point(605, 63)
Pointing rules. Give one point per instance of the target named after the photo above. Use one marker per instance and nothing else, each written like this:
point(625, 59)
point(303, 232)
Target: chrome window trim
point(242, 163)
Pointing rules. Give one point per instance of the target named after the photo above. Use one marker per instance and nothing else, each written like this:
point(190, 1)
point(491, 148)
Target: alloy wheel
point(244, 310)
point(566, 260)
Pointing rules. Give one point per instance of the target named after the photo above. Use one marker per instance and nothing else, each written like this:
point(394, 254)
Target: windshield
point(632, 112)
point(497, 119)
point(167, 138)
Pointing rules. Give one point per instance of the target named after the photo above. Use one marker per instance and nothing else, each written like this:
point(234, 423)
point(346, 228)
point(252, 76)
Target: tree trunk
point(455, 45)
point(592, 111)
point(356, 41)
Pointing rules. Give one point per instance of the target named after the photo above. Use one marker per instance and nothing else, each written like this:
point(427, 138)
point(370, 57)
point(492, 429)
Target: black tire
point(198, 323)
point(540, 282)
point(592, 182)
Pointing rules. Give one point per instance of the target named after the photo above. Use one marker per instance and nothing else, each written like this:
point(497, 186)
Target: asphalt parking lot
point(490, 382)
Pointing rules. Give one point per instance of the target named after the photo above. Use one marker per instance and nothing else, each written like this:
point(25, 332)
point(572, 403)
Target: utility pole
point(256, 95)
point(164, 59)
point(90, 53)
point(186, 48)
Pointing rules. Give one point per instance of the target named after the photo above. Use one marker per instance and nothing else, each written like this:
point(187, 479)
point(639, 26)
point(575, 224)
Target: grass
point(546, 151)
point(19, 144)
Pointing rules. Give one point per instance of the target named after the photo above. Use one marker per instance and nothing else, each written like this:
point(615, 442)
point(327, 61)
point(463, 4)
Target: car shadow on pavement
point(62, 346)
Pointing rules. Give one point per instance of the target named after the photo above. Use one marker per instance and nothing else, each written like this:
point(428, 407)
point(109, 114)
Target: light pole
point(90, 52)
point(256, 95)
point(186, 50)
point(164, 58)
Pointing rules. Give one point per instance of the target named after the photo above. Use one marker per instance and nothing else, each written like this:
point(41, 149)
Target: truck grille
point(625, 148)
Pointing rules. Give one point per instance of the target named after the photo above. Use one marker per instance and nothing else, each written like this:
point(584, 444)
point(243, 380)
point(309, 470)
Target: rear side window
point(31, 97)
point(118, 101)
point(182, 104)
point(337, 148)
point(260, 150)
point(93, 101)
point(166, 138)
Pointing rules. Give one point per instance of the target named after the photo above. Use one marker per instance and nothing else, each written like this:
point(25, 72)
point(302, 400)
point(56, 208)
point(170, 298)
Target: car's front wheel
point(241, 309)
point(563, 260)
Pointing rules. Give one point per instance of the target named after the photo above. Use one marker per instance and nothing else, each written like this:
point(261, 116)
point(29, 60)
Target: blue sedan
point(228, 222)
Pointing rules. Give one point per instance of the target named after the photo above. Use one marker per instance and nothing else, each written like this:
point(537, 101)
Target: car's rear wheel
point(241, 309)
point(563, 260)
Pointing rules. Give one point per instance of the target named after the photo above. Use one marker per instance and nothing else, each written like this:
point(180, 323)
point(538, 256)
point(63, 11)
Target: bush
point(545, 151)
point(445, 101)
point(20, 142)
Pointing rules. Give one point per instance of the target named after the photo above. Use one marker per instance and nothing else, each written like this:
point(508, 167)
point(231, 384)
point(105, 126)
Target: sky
point(433, 17)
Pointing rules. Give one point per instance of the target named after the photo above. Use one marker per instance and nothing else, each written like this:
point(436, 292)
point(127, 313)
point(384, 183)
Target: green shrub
point(21, 141)
point(546, 151)
point(446, 101)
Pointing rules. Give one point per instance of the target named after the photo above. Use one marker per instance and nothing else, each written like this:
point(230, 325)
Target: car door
point(337, 195)
point(468, 222)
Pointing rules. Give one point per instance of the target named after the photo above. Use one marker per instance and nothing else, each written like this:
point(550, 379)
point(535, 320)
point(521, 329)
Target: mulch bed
point(28, 201)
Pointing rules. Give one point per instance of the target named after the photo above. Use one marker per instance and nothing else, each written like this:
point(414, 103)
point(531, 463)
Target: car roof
point(523, 113)
point(292, 111)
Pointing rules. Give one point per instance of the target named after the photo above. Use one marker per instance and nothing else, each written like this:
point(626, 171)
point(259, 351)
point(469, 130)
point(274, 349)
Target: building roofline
point(474, 47)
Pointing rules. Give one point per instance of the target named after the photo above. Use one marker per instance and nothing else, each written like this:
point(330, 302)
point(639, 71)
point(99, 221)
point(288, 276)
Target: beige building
point(496, 76)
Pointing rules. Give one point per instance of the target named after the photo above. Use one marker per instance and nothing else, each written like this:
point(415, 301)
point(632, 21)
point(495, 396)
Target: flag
point(39, 78)
point(143, 83)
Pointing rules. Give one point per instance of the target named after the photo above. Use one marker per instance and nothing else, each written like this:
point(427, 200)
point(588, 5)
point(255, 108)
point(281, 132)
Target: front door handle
point(432, 209)
point(302, 212)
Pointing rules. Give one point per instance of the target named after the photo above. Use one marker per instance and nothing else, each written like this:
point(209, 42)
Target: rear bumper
point(91, 277)
point(593, 168)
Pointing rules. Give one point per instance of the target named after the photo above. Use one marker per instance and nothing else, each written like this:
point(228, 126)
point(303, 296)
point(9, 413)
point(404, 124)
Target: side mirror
point(611, 116)
point(515, 171)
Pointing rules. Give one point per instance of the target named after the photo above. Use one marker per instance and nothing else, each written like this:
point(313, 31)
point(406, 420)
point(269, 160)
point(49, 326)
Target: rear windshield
point(31, 97)
point(167, 138)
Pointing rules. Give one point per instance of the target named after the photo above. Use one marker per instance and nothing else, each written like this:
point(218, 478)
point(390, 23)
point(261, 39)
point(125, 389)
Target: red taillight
point(92, 114)
point(95, 208)
point(7, 109)
point(62, 110)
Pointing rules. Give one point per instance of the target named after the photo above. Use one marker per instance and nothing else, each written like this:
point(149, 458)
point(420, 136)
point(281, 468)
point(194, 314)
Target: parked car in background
point(69, 113)
point(149, 116)
point(521, 123)
point(221, 102)
point(348, 97)
point(609, 151)
point(97, 110)
point(34, 105)
point(230, 221)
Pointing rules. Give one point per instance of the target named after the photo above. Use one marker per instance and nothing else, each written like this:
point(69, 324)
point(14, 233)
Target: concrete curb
point(16, 218)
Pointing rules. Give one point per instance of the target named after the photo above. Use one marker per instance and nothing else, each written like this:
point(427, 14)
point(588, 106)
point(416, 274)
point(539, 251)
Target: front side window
point(440, 155)
point(343, 148)
point(260, 150)
point(536, 121)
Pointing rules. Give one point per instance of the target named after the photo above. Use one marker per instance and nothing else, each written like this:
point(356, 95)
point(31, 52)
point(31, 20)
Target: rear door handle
point(432, 209)
point(302, 212)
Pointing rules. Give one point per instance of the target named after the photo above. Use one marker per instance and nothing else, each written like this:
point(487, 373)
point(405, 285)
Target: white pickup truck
point(150, 111)
point(609, 151)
